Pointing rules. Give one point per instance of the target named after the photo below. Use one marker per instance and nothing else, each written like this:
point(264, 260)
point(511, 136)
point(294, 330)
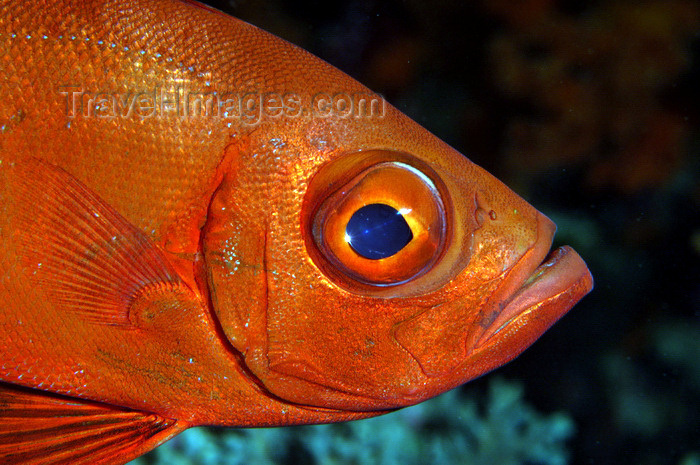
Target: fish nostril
point(481, 215)
point(483, 211)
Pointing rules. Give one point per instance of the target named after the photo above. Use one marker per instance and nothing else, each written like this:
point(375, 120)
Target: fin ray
point(42, 428)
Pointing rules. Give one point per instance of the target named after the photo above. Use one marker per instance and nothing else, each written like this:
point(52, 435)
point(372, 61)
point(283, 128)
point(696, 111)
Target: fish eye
point(377, 231)
point(383, 226)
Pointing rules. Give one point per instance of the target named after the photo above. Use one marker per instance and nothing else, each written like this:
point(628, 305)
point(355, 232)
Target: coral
point(447, 430)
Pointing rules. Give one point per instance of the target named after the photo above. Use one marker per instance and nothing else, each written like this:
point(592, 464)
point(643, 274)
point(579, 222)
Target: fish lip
point(540, 275)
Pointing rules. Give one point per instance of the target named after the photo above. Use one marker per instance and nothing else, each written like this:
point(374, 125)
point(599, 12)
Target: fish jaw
point(562, 278)
point(541, 288)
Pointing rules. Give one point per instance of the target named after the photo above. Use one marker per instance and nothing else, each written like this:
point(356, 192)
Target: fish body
point(178, 195)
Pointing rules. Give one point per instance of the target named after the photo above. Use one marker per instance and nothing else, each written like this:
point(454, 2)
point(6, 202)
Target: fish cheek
point(435, 338)
point(338, 351)
point(440, 337)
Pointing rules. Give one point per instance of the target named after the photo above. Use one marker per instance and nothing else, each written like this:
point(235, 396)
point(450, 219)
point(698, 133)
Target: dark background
point(590, 111)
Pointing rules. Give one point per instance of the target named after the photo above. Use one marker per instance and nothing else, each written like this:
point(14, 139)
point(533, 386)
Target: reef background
point(591, 112)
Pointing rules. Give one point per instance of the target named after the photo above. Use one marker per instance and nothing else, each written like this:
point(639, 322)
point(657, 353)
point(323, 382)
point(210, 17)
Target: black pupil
point(377, 231)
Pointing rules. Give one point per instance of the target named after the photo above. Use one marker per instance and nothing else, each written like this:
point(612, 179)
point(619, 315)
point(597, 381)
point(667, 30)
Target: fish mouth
point(540, 288)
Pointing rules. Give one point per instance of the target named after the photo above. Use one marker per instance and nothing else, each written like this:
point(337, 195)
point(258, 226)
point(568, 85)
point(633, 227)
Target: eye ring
point(397, 186)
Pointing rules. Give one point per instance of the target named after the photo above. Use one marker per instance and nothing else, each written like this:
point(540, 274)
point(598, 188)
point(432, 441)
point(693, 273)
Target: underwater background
point(590, 110)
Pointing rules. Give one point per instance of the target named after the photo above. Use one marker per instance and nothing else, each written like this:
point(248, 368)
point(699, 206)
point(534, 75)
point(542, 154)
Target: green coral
point(446, 430)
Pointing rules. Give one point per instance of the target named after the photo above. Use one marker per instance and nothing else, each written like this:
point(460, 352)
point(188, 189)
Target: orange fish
point(202, 224)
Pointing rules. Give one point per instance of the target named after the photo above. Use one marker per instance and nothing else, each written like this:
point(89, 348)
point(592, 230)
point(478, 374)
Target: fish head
point(376, 274)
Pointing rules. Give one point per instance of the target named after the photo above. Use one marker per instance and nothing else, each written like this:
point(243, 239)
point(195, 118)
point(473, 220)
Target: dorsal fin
point(41, 428)
point(79, 250)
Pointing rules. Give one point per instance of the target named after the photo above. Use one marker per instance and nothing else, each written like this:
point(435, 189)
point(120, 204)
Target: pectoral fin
point(41, 428)
point(81, 252)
